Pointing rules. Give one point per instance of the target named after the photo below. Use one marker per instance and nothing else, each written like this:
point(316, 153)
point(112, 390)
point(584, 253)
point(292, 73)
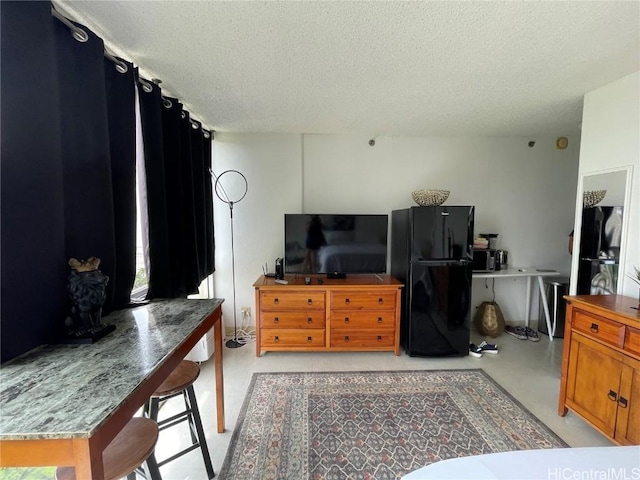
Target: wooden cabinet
point(601, 365)
point(360, 312)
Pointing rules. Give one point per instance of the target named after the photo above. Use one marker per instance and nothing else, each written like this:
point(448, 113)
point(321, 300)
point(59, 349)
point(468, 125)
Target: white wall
point(611, 139)
point(271, 163)
point(527, 195)
point(524, 194)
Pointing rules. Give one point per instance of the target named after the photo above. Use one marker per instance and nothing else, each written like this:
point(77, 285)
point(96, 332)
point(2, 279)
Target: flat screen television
point(342, 244)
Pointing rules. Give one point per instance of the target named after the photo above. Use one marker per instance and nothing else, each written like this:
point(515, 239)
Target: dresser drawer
point(354, 339)
point(632, 341)
point(292, 338)
point(599, 329)
point(308, 319)
point(358, 319)
point(362, 300)
point(291, 300)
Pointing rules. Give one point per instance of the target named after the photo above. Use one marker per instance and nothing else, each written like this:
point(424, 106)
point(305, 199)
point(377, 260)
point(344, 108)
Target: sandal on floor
point(474, 350)
point(488, 348)
point(532, 334)
point(518, 332)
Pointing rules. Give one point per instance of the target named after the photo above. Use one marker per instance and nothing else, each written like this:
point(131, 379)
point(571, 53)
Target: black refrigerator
point(432, 254)
point(600, 239)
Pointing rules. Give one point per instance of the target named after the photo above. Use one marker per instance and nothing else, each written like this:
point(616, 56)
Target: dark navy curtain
point(159, 254)
point(34, 270)
point(210, 265)
point(120, 91)
point(68, 171)
point(86, 169)
point(98, 160)
point(180, 205)
point(192, 274)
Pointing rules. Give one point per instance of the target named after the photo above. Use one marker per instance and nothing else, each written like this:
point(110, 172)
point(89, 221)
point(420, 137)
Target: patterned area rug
point(374, 425)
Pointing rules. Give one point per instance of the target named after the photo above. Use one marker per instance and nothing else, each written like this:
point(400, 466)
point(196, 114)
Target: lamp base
point(233, 343)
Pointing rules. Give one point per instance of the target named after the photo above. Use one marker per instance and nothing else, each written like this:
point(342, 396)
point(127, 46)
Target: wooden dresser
point(601, 365)
point(360, 312)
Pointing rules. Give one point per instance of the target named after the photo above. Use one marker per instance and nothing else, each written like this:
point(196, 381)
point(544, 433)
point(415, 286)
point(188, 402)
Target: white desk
point(528, 273)
point(545, 464)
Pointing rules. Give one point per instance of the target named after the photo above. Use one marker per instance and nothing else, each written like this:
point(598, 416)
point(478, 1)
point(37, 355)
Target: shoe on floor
point(474, 350)
point(488, 348)
point(532, 334)
point(518, 332)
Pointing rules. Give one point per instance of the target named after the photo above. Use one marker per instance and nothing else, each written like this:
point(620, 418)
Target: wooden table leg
point(217, 338)
point(88, 459)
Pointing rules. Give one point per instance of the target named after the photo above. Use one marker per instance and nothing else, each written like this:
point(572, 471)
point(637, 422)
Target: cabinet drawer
point(308, 319)
point(348, 338)
point(349, 319)
point(632, 341)
point(361, 300)
point(291, 300)
point(292, 338)
point(599, 328)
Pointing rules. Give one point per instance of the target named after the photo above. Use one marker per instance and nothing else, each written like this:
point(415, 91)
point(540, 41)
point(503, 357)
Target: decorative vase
point(489, 320)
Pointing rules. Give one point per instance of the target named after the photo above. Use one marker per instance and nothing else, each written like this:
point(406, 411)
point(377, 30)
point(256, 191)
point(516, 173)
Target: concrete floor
point(529, 371)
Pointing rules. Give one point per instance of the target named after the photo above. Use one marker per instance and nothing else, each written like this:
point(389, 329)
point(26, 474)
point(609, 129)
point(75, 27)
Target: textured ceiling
point(472, 68)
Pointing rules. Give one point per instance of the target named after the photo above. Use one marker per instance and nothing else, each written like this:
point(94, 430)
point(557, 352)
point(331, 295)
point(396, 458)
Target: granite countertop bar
point(63, 391)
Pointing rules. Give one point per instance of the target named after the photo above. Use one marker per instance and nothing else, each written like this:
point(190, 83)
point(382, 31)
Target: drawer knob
point(346, 338)
point(346, 319)
point(623, 402)
point(379, 338)
point(308, 339)
point(380, 301)
point(309, 301)
point(276, 301)
point(276, 320)
point(309, 320)
point(379, 319)
point(594, 327)
point(276, 339)
point(346, 300)
point(613, 396)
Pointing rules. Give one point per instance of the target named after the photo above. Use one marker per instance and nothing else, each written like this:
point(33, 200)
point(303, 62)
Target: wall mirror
point(600, 230)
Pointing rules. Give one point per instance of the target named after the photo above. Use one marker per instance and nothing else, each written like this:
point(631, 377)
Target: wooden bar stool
point(130, 449)
point(180, 382)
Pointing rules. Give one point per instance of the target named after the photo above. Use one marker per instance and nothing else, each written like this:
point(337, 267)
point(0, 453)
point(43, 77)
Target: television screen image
point(317, 243)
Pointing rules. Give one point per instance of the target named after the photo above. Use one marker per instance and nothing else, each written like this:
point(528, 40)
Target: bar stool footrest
point(179, 454)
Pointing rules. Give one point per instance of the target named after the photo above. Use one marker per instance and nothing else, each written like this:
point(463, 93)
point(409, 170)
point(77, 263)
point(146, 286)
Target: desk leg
point(546, 309)
point(217, 356)
point(527, 303)
point(88, 459)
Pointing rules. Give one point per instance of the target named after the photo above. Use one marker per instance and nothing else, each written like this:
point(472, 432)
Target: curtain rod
point(82, 36)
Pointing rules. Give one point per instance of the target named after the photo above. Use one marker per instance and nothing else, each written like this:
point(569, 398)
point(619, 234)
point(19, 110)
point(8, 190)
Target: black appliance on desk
point(600, 239)
point(484, 260)
point(432, 254)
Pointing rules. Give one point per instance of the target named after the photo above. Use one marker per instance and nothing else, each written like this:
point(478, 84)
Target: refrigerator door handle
point(462, 262)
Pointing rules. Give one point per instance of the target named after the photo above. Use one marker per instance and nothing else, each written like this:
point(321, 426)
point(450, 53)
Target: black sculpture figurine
point(87, 291)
